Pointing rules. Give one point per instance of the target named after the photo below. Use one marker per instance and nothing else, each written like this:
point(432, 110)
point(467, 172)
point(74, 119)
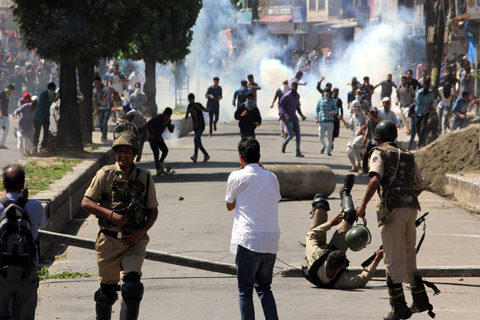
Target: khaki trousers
point(114, 258)
point(316, 238)
point(399, 238)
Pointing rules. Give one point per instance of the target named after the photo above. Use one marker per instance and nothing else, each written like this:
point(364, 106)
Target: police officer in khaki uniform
point(327, 262)
point(123, 198)
point(395, 175)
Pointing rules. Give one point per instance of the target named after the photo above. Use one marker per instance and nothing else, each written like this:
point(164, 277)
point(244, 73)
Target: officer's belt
point(113, 234)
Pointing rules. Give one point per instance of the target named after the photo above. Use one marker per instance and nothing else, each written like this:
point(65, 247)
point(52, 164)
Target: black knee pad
point(320, 202)
point(106, 295)
point(132, 289)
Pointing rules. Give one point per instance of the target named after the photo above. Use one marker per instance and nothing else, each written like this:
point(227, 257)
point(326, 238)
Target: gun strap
point(420, 242)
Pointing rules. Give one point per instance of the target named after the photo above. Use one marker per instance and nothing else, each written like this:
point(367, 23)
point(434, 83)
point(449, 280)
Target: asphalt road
point(200, 226)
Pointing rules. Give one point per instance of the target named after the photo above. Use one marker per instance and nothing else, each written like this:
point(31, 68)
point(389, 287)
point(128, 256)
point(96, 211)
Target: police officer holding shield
point(394, 174)
point(123, 198)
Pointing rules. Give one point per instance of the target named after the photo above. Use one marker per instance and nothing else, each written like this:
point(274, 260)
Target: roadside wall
point(62, 200)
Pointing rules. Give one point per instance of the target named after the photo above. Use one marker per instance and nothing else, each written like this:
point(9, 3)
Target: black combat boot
point(400, 309)
point(420, 298)
point(347, 185)
point(105, 297)
point(320, 207)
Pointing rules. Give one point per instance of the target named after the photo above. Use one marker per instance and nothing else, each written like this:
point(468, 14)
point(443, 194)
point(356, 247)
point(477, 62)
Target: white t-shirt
point(256, 192)
point(390, 115)
point(117, 83)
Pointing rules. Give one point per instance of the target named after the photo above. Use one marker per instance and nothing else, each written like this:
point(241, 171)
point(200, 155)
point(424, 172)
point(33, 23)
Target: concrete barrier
point(304, 181)
point(466, 188)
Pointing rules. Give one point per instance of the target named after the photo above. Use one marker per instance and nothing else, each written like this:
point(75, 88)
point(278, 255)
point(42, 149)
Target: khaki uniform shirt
point(376, 166)
point(346, 281)
point(102, 183)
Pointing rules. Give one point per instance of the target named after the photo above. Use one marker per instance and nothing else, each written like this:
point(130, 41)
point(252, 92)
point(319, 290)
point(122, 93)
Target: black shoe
point(299, 155)
point(214, 127)
point(329, 154)
point(194, 158)
point(206, 158)
point(322, 151)
point(283, 147)
point(399, 312)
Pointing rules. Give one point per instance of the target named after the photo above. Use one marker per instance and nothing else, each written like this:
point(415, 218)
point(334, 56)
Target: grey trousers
point(18, 299)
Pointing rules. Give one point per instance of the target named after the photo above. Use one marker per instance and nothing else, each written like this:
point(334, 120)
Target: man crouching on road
point(123, 198)
point(327, 262)
point(254, 194)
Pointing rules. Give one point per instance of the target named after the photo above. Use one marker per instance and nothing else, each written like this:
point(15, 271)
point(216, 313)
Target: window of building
point(312, 5)
point(321, 4)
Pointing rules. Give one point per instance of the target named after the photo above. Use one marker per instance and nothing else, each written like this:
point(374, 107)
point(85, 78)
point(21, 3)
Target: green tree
point(73, 32)
point(164, 35)
point(111, 26)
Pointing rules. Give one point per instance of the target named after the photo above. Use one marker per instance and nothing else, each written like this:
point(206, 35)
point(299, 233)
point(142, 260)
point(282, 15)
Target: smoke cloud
point(216, 50)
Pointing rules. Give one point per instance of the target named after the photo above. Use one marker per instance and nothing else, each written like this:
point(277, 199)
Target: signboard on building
point(298, 15)
point(279, 7)
point(473, 9)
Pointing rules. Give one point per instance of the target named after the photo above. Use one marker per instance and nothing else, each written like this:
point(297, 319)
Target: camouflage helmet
point(358, 237)
point(386, 130)
point(126, 138)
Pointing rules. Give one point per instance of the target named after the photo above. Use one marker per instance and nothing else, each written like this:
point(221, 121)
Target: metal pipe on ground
point(304, 181)
point(159, 256)
point(226, 268)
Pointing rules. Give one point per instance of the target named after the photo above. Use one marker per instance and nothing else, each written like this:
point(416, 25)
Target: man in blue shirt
point(214, 95)
point(424, 105)
point(459, 111)
point(240, 95)
point(324, 116)
point(18, 299)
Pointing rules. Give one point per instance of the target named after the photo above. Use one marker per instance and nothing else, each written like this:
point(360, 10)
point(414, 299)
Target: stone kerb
point(62, 200)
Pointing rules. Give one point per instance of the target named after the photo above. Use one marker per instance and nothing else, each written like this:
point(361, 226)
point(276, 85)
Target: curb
point(62, 199)
point(466, 188)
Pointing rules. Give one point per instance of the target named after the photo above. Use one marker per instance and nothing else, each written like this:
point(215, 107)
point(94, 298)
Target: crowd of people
point(254, 192)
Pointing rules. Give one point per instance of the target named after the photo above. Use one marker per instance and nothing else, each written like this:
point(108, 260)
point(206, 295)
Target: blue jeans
point(458, 123)
point(255, 269)
point(443, 115)
point(413, 133)
point(293, 127)
point(103, 116)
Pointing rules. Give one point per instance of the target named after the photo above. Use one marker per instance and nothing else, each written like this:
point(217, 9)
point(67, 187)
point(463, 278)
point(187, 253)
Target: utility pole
point(429, 33)
point(438, 45)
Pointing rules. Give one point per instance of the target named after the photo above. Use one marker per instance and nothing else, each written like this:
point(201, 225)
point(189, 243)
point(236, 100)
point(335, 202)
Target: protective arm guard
point(348, 209)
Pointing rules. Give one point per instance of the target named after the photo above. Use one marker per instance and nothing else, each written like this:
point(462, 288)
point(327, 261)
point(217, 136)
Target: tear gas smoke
point(221, 49)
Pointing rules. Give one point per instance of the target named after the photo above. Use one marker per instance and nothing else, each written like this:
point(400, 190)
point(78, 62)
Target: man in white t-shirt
point(386, 112)
point(118, 80)
point(254, 193)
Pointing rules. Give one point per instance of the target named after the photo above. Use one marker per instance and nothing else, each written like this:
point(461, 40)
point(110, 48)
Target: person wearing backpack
point(18, 277)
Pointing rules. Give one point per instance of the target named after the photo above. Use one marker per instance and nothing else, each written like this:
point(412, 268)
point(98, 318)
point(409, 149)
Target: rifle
point(418, 222)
